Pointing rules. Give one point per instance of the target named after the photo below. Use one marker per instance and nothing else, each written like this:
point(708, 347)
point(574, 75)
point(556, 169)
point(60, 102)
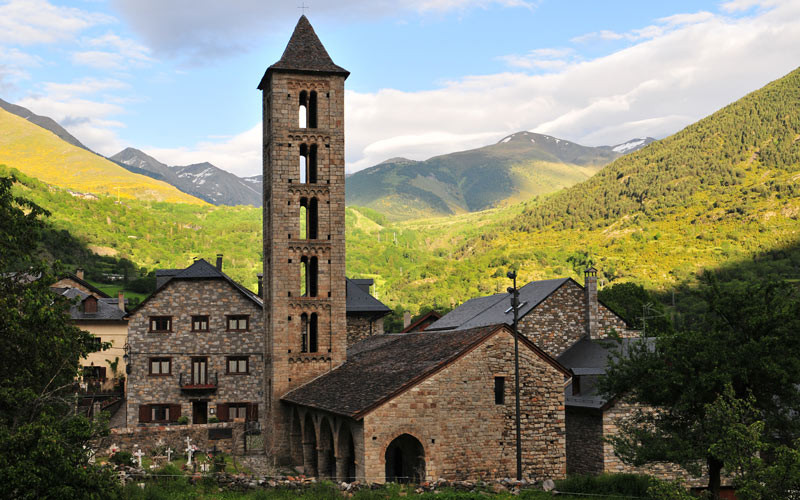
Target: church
point(379, 407)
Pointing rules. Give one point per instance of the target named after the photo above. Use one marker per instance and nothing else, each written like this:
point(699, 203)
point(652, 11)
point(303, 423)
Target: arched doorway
point(405, 460)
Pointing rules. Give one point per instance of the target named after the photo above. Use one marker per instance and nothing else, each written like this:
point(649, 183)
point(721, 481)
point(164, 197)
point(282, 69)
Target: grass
point(179, 489)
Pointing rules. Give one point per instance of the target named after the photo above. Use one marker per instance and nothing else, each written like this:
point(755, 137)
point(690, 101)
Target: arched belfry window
point(309, 219)
point(307, 109)
point(303, 110)
point(312, 109)
point(312, 333)
point(308, 164)
point(309, 274)
point(304, 332)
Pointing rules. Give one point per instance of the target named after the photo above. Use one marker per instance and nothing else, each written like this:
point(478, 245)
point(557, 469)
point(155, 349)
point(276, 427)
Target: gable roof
point(199, 270)
point(305, 54)
point(494, 309)
point(384, 369)
point(589, 359)
point(107, 308)
point(360, 301)
point(84, 283)
point(430, 315)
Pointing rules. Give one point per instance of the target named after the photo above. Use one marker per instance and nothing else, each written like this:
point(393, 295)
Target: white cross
point(169, 454)
point(189, 451)
point(139, 454)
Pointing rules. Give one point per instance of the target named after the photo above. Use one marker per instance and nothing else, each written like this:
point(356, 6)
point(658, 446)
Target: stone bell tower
point(304, 247)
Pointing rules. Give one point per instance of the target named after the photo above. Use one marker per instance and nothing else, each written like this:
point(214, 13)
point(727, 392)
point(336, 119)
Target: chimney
point(261, 285)
point(592, 307)
point(406, 319)
point(121, 300)
point(79, 273)
point(219, 262)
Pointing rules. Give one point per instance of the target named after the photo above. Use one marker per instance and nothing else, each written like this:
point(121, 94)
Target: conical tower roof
point(304, 54)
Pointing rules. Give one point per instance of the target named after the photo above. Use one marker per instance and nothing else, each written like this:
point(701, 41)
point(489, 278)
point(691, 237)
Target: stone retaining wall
point(174, 436)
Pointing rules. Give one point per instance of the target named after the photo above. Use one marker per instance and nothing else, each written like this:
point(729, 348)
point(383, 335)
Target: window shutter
point(252, 412)
point(174, 412)
point(222, 412)
point(144, 413)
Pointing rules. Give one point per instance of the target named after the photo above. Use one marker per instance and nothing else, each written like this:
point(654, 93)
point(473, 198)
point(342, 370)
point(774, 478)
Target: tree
point(745, 339)
point(639, 308)
point(42, 438)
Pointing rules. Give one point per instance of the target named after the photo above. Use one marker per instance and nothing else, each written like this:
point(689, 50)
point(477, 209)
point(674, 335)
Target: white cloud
point(27, 22)
point(203, 30)
point(119, 53)
point(240, 154)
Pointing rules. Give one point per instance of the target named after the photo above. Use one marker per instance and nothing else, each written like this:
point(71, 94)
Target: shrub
point(607, 484)
point(213, 420)
point(668, 490)
point(183, 420)
point(121, 458)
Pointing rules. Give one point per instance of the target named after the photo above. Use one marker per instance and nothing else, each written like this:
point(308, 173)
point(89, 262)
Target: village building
point(196, 350)
point(420, 323)
point(103, 317)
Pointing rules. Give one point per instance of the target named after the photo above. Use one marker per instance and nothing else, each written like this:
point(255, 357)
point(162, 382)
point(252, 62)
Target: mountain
point(203, 180)
point(42, 121)
point(516, 168)
point(39, 153)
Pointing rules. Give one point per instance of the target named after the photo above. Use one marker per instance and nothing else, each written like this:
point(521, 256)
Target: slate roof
point(589, 360)
point(383, 369)
point(360, 301)
point(94, 289)
point(425, 317)
point(495, 309)
point(199, 270)
point(304, 53)
point(107, 308)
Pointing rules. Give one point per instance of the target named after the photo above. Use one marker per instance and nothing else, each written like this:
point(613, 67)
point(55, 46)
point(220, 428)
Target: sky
point(177, 78)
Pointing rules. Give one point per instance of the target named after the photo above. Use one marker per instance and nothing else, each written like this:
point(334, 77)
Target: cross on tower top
point(303, 6)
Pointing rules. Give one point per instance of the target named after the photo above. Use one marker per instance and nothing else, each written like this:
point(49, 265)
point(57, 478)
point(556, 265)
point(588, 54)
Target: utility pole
point(514, 306)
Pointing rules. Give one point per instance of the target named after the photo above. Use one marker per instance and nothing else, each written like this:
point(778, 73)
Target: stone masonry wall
point(584, 441)
point(284, 248)
point(182, 299)
point(361, 326)
point(463, 432)
point(560, 320)
point(174, 436)
point(613, 464)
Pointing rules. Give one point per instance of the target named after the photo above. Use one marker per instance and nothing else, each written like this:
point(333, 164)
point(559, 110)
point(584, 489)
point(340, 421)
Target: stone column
point(592, 307)
point(341, 469)
point(324, 462)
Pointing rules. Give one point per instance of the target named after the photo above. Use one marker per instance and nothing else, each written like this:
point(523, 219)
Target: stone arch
point(346, 455)
point(309, 446)
point(326, 450)
point(405, 460)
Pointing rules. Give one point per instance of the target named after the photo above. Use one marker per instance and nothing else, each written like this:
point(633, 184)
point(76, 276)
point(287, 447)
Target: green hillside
point(514, 169)
point(39, 153)
point(721, 194)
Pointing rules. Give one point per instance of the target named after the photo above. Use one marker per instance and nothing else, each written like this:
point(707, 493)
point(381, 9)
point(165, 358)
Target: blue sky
point(177, 78)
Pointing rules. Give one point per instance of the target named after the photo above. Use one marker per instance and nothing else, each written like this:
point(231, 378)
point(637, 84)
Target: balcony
point(197, 384)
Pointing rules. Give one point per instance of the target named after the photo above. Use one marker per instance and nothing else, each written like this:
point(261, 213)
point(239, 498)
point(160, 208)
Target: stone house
point(554, 314)
point(103, 317)
point(364, 312)
point(196, 349)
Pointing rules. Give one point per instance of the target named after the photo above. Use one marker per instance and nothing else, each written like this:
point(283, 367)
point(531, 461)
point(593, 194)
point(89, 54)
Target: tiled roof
point(495, 309)
point(199, 270)
point(304, 53)
point(359, 301)
point(380, 371)
point(107, 308)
